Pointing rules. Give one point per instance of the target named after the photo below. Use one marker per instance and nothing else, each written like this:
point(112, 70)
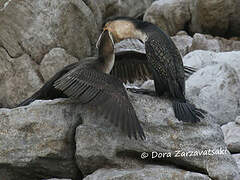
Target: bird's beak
point(105, 30)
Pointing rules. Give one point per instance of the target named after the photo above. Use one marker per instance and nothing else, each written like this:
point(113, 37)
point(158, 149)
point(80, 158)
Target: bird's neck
point(107, 63)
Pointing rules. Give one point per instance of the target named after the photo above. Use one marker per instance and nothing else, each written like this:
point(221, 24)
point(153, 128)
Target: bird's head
point(123, 28)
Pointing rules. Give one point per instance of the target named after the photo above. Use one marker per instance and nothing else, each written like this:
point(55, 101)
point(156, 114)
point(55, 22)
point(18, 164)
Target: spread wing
point(131, 62)
point(105, 92)
point(48, 91)
point(131, 66)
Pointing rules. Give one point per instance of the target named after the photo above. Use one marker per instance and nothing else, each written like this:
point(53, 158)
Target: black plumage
point(131, 62)
point(163, 59)
point(89, 82)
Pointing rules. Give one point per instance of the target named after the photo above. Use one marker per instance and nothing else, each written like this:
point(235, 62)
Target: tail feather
point(187, 112)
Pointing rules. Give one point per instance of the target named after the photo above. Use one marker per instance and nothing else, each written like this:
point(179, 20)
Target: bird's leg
point(142, 91)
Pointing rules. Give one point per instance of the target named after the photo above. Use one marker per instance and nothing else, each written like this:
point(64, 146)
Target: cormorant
point(89, 81)
point(131, 62)
point(163, 59)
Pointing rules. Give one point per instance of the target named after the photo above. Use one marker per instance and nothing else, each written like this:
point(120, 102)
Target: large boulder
point(216, 89)
point(171, 140)
point(170, 15)
point(216, 44)
point(148, 172)
point(54, 61)
point(19, 78)
point(35, 27)
point(37, 141)
point(216, 17)
point(200, 59)
point(232, 136)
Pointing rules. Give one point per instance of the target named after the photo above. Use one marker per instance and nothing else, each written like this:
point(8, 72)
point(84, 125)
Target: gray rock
point(216, 89)
point(19, 78)
point(109, 147)
point(170, 15)
point(234, 21)
point(216, 44)
point(200, 59)
point(183, 42)
point(237, 120)
point(216, 17)
point(211, 17)
point(37, 141)
point(54, 61)
point(149, 172)
point(237, 159)
point(35, 27)
point(232, 136)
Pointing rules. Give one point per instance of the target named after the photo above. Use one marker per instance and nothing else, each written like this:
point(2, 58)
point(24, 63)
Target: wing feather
point(104, 91)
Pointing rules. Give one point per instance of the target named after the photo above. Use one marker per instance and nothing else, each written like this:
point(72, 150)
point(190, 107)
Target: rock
point(216, 17)
point(205, 42)
point(200, 59)
point(232, 136)
point(170, 15)
point(111, 8)
point(216, 44)
point(35, 27)
point(211, 17)
point(148, 172)
point(19, 78)
point(37, 141)
point(237, 159)
point(215, 89)
point(237, 120)
point(234, 22)
point(183, 42)
point(54, 61)
point(110, 147)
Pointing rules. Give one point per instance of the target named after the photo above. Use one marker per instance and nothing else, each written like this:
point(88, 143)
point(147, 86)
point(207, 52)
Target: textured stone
point(37, 141)
point(216, 89)
point(54, 61)
point(19, 78)
point(150, 172)
point(237, 159)
point(109, 147)
point(232, 136)
point(170, 15)
point(35, 27)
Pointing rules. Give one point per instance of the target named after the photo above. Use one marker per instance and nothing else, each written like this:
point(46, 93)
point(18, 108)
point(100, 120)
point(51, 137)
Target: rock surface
point(151, 172)
point(37, 141)
point(111, 148)
point(232, 136)
point(237, 159)
point(216, 89)
point(170, 15)
point(200, 59)
point(216, 17)
point(54, 61)
point(35, 27)
point(216, 44)
point(19, 78)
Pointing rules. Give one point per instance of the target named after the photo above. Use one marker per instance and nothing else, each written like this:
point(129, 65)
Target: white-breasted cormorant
point(131, 62)
point(163, 59)
point(89, 82)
